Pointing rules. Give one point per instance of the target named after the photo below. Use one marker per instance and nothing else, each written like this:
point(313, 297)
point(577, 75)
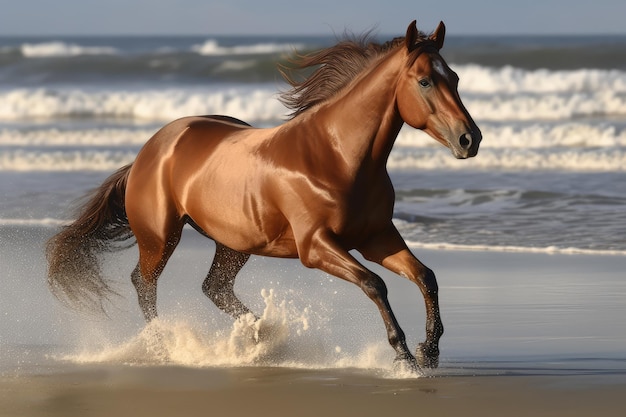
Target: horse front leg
point(325, 253)
point(390, 251)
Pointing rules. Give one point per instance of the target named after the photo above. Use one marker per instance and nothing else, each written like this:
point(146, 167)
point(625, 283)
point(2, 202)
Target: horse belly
point(229, 203)
point(232, 228)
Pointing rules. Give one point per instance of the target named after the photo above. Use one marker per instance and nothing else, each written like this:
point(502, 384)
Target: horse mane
point(332, 68)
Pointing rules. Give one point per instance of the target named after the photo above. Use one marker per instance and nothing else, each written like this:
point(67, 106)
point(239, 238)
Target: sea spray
point(285, 335)
point(250, 341)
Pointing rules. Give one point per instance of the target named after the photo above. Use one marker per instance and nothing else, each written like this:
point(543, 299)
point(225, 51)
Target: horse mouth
point(464, 153)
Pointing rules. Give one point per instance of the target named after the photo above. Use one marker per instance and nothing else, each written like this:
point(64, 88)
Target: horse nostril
point(465, 141)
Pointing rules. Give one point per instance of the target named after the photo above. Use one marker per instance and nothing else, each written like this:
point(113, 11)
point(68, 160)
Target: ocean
point(552, 164)
point(549, 183)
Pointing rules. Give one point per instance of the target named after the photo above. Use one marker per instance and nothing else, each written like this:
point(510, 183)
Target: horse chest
point(363, 210)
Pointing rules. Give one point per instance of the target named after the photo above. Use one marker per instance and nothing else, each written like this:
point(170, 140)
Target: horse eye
point(424, 83)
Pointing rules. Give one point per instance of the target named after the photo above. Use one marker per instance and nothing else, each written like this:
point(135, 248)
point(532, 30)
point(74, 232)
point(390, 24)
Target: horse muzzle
point(466, 146)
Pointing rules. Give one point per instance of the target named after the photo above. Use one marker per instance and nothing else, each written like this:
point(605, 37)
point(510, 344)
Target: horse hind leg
point(146, 294)
point(153, 255)
point(220, 281)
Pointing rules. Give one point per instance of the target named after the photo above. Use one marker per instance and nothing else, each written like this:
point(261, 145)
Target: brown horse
point(312, 188)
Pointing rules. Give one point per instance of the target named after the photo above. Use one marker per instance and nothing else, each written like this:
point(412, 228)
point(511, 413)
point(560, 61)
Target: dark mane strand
point(331, 69)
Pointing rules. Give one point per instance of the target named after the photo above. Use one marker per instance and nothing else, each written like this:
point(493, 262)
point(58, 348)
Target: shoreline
point(49, 226)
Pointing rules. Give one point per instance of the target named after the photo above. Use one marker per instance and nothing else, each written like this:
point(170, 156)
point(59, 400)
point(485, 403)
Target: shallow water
point(504, 313)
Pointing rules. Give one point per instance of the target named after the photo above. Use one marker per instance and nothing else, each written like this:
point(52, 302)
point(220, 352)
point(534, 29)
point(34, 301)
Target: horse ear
point(411, 35)
point(438, 35)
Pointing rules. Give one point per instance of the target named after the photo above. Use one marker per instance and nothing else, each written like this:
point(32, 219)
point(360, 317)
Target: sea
point(552, 110)
point(549, 179)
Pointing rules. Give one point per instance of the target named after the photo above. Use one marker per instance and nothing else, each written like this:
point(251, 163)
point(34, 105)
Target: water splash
point(249, 341)
point(284, 335)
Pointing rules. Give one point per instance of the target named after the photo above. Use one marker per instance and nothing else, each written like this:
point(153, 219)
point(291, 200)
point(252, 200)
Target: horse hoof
point(406, 364)
point(427, 357)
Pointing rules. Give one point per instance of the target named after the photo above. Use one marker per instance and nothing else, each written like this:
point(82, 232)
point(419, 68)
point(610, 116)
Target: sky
point(264, 17)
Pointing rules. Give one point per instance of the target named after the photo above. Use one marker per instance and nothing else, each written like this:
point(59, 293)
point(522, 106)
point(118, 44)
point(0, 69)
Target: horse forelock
point(425, 45)
point(331, 69)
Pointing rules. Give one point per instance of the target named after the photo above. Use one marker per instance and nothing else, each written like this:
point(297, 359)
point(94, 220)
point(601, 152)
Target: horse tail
point(74, 273)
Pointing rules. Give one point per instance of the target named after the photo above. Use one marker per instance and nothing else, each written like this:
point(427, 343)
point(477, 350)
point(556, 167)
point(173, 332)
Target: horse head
point(427, 96)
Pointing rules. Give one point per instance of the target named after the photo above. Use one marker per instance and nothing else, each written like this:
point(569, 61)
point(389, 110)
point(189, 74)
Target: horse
point(314, 187)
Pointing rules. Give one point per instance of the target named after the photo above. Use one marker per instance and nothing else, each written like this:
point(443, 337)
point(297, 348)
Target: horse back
point(172, 136)
point(177, 150)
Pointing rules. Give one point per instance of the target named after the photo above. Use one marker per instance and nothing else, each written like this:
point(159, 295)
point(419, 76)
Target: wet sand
point(174, 391)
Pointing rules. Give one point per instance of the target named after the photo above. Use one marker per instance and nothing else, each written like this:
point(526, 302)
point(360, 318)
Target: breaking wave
point(212, 47)
point(62, 49)
point(57, 161)
point(591, 147)
point(490, 95)
point(254, 104)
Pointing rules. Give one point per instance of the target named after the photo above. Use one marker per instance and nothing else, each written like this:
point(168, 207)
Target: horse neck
point(363, 120)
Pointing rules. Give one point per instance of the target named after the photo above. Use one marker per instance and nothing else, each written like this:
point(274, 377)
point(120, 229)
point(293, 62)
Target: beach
point(526, 240)
point(526, 334)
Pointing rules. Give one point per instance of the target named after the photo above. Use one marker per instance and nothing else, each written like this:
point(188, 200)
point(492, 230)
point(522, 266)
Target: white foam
point(29, 161)
point(46, 222)
point(475, 79)
point(62, 49)
point(247, 103)
point(516, 94)
point(48, 137)
point(519, 249)
point(590, 160)
point(212, 47)
point(574, 135)
point(545, 107)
